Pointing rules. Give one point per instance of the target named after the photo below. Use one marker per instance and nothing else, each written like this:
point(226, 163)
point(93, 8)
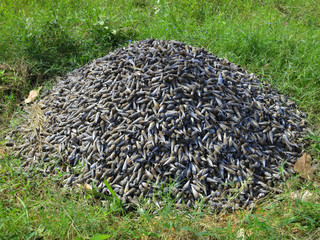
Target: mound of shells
point(159, 112)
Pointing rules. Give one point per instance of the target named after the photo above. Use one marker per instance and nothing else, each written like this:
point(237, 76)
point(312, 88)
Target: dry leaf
point(33, 94)
point(303, 167)
point(87, 186)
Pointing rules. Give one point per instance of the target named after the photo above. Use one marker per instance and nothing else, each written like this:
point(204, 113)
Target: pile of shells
point(159, 112)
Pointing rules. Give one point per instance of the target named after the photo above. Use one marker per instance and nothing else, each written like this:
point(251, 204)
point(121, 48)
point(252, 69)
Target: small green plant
point(104, 36)
point(315, 145)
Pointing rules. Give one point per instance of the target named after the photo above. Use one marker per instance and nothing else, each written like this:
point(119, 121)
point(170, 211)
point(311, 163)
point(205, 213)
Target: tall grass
point(278, 40)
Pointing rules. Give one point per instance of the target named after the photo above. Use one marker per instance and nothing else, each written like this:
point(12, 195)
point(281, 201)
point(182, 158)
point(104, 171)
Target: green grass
point(39, 40)
point(278, 40)
point(35, 208)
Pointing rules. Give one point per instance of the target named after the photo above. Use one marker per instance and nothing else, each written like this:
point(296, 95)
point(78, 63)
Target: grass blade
point(112, 192)
point(100, 237)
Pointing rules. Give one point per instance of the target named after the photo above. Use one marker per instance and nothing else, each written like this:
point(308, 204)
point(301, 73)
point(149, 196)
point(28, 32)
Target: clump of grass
point(11, 78)
point(13, 82)
point(51, 39)
point(271, 39)
point(50, 47)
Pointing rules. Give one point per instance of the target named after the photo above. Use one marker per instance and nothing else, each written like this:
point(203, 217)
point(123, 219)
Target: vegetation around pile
point(39, 40)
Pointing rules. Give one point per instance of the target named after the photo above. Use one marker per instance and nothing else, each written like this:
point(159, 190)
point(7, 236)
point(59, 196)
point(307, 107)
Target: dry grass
point(13, 78)
point(36, 121)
